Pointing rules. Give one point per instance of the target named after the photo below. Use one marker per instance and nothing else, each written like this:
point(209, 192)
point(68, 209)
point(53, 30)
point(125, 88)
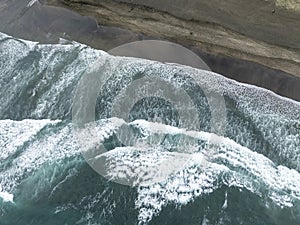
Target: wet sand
point(47, 24)
point(212, 33)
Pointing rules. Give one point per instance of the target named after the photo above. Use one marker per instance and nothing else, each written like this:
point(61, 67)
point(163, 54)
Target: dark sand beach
point(260, 51)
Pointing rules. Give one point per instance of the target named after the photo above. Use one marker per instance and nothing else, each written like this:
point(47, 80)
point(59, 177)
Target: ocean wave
point(259, 150)
point(39, 81)
point(155, 162)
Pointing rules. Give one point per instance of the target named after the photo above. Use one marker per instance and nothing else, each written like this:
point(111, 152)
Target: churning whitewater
point(154, 171)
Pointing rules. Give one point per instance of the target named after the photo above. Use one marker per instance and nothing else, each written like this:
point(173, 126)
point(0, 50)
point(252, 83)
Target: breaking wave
point(172, 170)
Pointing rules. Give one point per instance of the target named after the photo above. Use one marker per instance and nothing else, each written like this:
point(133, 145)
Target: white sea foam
point(31, 3)
point(45, 148)
point(230, 164)
point(277, 119)
point(19, 56)
point(54, 145)
point(6, 197)
point(15, 133)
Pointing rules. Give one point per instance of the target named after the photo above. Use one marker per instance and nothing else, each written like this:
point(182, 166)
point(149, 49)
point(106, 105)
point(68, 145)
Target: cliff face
point(262, 31)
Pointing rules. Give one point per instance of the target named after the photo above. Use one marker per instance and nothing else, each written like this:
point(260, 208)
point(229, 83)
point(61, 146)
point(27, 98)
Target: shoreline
point(210, 37)
point(255, 61)
point(54, 22)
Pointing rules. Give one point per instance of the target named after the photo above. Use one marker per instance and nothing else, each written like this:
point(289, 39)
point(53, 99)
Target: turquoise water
point(251, 176)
